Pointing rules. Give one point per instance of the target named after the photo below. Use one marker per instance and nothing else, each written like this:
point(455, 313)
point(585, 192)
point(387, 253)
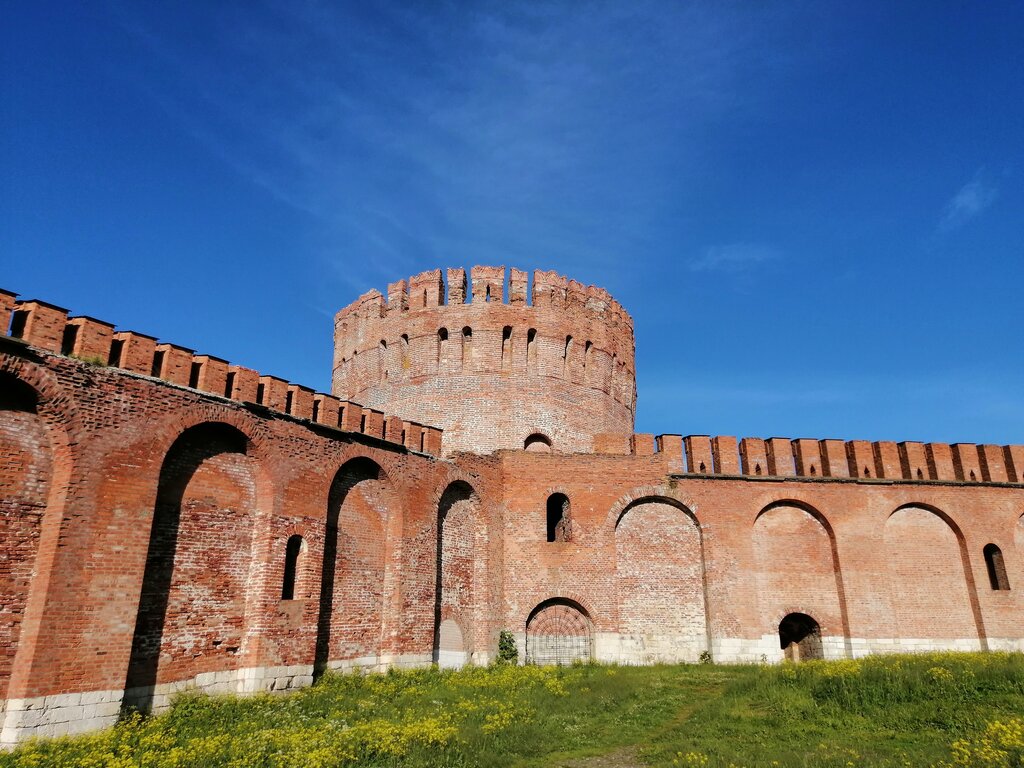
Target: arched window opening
point(558, 517)
point(506, 348)
point(291, 566)
point(16, 395)
point(383, 349)
point(531, 349)
point(442, 342)
point(565, 356)
point(537, 443)
point(800, 637)
point(996, 568)
point(467, 347)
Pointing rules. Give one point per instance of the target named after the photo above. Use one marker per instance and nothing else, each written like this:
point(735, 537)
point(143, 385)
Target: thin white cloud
point(972, 199)
point(733, 257)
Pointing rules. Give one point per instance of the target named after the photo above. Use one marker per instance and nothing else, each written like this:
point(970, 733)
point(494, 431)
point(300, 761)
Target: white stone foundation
point(67, 714)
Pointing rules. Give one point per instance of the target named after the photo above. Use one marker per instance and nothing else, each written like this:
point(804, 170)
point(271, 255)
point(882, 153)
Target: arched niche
point(458, 516)
point(26, 477)
point(191, 612)
point(797, 566)
point(559, 632)
point(451, 647)
point(931, 592)
point(659, 576)
point(360, 503)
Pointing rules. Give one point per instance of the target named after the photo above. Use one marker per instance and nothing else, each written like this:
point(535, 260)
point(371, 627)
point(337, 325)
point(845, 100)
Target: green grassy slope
point(955, 709)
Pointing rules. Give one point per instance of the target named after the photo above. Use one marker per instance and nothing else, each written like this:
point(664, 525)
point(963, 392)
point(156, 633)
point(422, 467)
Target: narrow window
point(19, 319)
point(288, 403)
point(291, 566)
point(341, 415)
point(229, 385)
point(405, 352)
point(531, 349)
point(996, 568)
point(316, 410)
point(467, 347)
point(260, 393)
point(487, 294)
point(588, 361)
point(193, 375)
point(442, 344)
point(558, 517)
point(383, 359)
point(565, 356)
point(116, 350)
point(158, 364)
point(506, 348)
point(67, 343)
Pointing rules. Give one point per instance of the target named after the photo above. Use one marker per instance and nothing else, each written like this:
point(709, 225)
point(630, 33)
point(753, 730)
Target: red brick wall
point(113, 461)
point(25, 473)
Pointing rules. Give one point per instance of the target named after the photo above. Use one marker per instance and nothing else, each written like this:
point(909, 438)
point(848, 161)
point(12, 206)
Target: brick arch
point(662, 601)
point(56, 412)
point(565, 597)
point(457, 529)
point(651, 493)
point(356, 579)
point(964, 561)
point(199, 556)
point(168, 430)
point(836, 567)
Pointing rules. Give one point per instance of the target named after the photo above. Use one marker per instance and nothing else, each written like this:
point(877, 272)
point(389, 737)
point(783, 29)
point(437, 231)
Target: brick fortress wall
point(492, 372)
point(157, 504)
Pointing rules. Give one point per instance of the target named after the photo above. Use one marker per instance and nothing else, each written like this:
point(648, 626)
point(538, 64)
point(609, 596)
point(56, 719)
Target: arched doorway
point(559, 632)
point(800, 637)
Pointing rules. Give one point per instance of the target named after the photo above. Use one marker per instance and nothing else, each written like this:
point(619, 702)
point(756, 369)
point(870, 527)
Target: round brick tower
point(548, 375)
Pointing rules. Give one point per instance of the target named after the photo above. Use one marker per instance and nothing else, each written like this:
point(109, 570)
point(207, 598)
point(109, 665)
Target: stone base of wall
point(73, 713)
point(616, 648)
point(61, 714)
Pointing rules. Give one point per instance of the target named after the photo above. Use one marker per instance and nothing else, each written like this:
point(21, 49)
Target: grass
point(937, 709)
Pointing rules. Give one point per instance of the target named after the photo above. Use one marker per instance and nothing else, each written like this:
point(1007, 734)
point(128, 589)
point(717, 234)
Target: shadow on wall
point(193, 447)
point(354, 472)
point(455, 524)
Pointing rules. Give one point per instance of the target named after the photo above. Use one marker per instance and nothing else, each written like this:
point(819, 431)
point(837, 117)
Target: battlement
point(486, 286)
point(779, 457)
point(49, 327)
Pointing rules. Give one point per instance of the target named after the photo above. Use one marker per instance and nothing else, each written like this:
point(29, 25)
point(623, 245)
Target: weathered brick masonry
point(172, 521)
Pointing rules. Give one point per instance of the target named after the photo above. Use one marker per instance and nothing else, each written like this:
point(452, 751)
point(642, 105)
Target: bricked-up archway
point(932, 592)
point(798, 567)
point(559, 631)
point(191, 609)
point(26, 468)
point(350, 617)
point(457, 517)
point(659, 575)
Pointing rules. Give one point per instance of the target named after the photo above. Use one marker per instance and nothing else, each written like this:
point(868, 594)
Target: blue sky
point(814, 211)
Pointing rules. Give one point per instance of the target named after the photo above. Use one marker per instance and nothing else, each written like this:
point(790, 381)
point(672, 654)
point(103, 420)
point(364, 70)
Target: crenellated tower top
point(552, 367)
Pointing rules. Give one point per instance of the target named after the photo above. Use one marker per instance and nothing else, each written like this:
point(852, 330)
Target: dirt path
point(620, 758)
